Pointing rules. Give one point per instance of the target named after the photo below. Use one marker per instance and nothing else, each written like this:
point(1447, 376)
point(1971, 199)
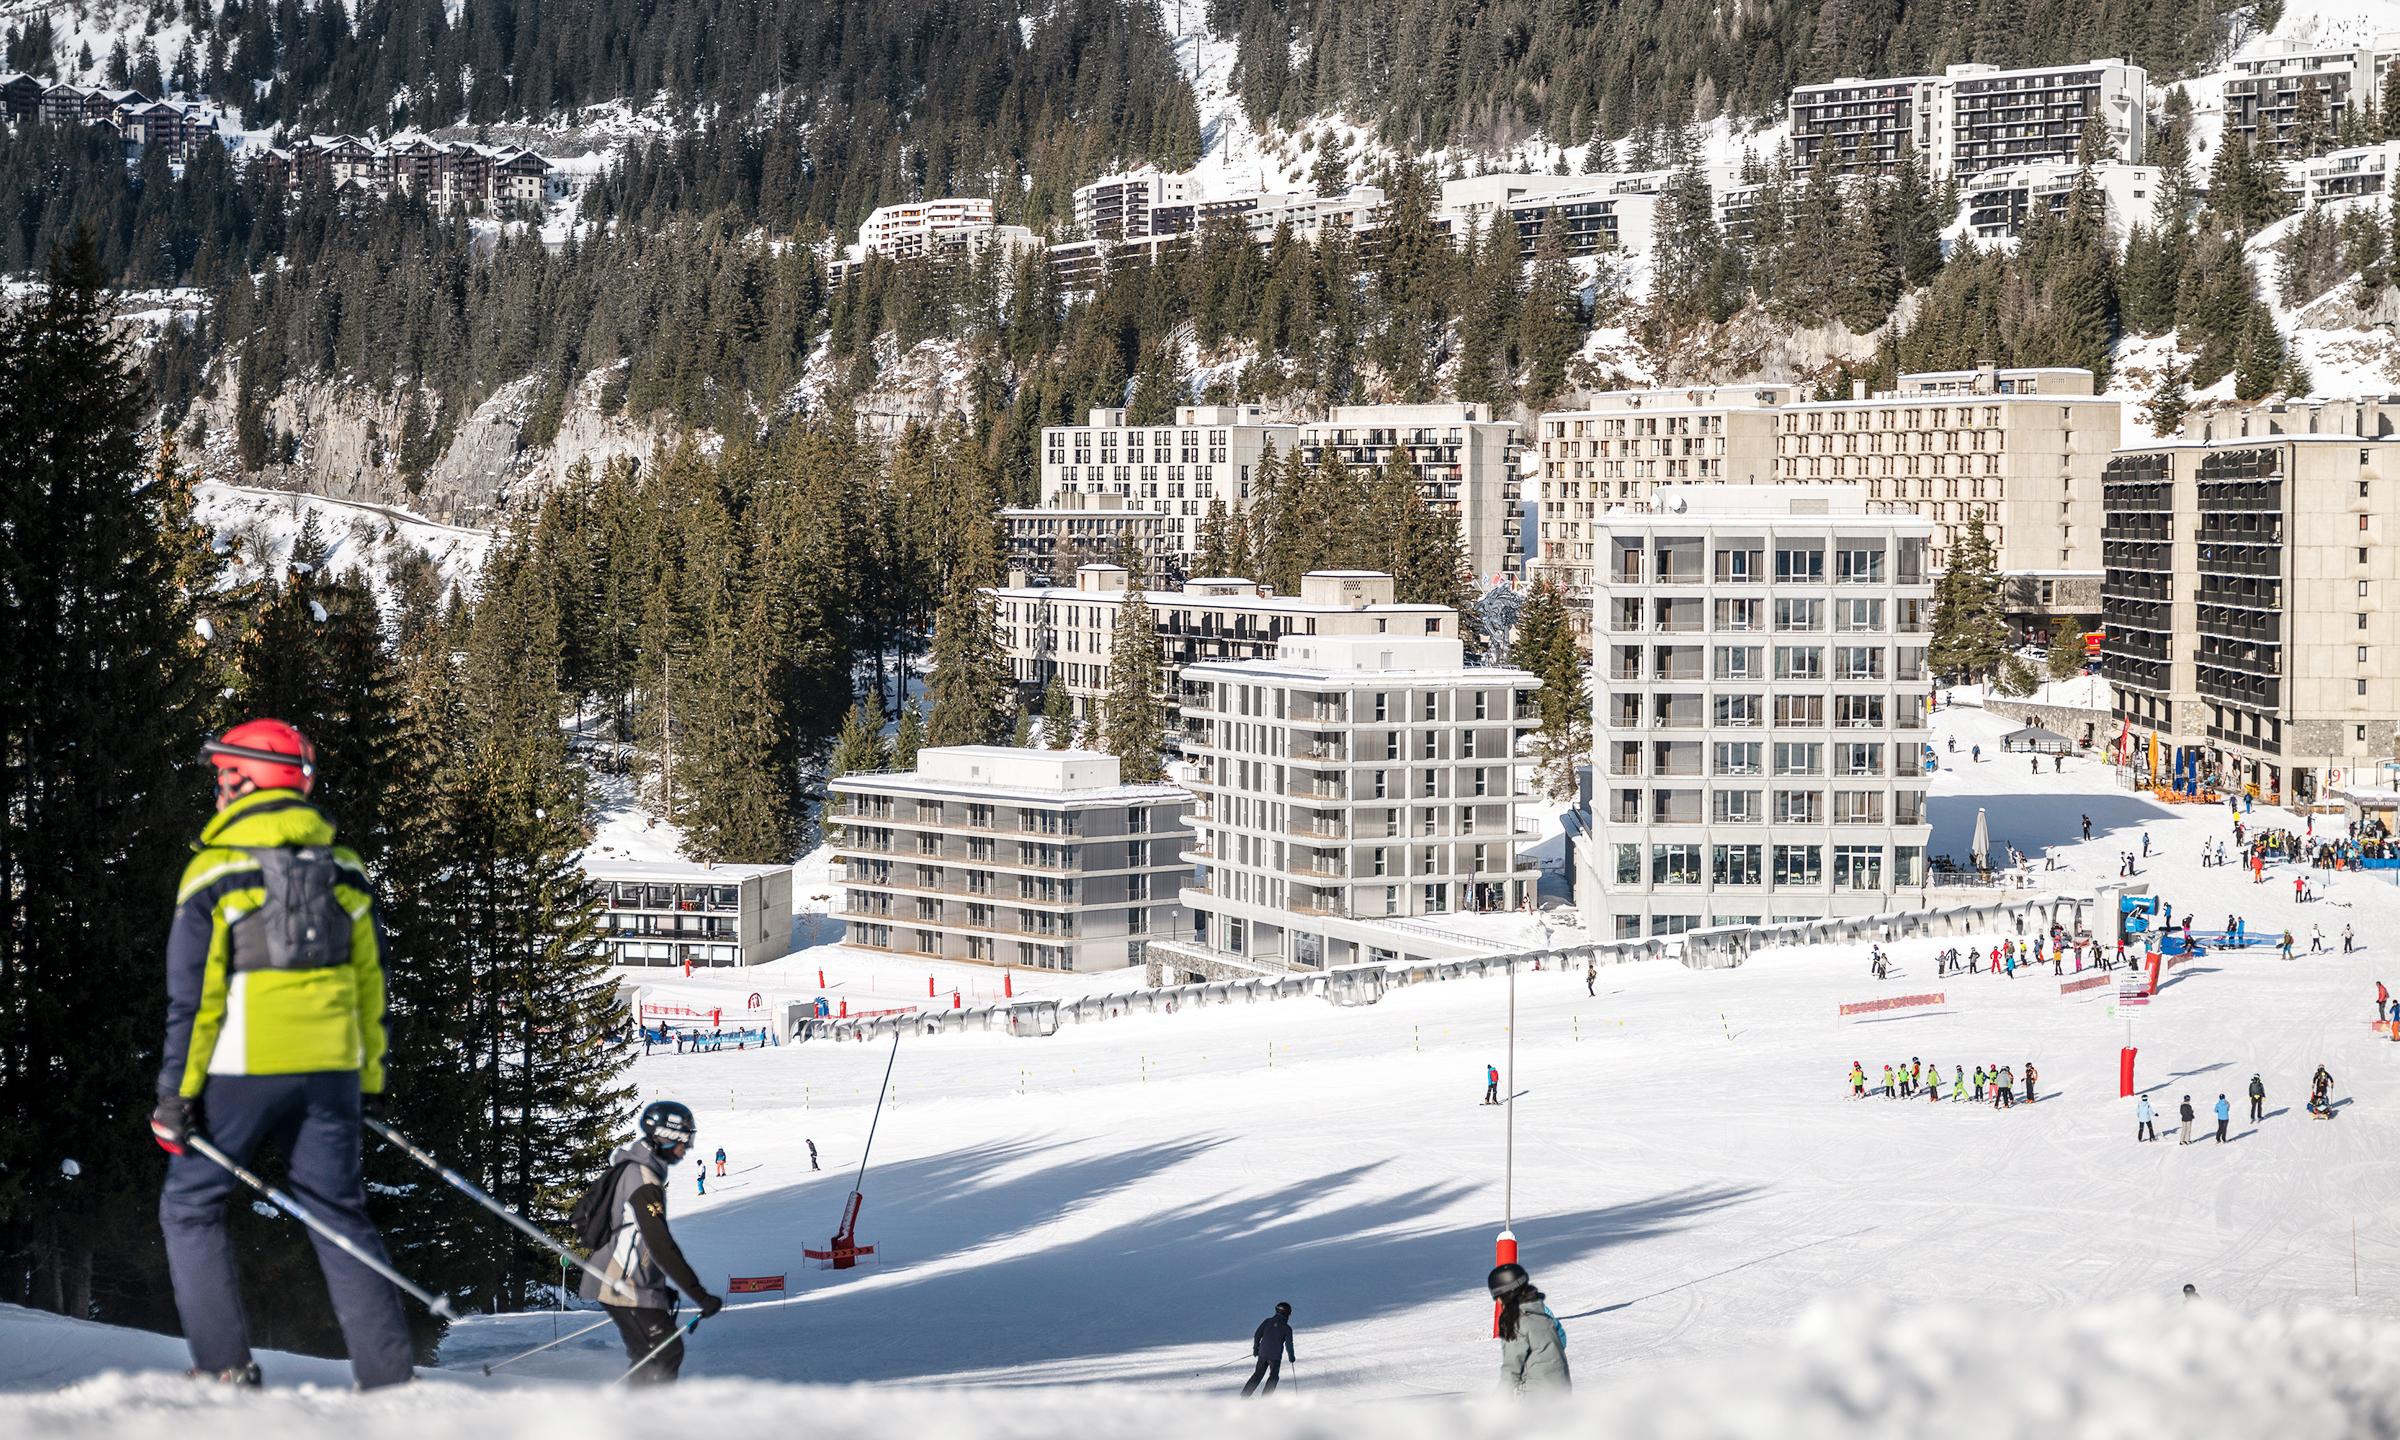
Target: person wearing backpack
point(622, 1221)
point(274, 1036)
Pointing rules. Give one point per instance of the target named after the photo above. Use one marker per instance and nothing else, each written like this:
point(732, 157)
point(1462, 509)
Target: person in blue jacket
point(2224, 1118)
point(1270, 1346)
point(1491, 1084)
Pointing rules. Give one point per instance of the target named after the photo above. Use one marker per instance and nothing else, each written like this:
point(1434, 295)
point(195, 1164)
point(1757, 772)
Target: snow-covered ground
point(256, 527)
point(1095, 1221)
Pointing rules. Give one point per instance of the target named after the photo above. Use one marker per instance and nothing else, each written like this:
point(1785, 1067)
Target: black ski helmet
point(668, 1124)
point(1504, 1280)
point(1283, 1307)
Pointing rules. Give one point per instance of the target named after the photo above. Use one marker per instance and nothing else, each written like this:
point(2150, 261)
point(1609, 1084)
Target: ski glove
point(710, 1304)
point(173, 1122)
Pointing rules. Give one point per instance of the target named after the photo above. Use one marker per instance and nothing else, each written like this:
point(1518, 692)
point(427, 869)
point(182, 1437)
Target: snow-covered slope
point(257, 529)
point(1093, 1222)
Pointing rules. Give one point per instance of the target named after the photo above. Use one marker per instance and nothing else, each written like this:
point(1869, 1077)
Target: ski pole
point(438, 1304)
point(687, 1329)
point(538, 1349)
point(475, 1193)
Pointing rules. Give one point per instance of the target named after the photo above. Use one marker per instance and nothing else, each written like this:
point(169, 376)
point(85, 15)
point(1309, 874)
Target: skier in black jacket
point(640, 1256)
point(1271, 1344)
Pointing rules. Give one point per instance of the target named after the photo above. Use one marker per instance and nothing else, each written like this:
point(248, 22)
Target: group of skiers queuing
point(2145, 1119)
point(1997, 1083)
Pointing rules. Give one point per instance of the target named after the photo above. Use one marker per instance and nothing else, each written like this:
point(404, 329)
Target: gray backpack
point(301, 925)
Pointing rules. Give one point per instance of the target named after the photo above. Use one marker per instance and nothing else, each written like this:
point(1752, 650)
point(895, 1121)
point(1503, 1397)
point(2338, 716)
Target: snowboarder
point(2187, 1120)
point(2224, 1116)
point(1491, 1084)
point(638, 1254)
point(720, 1162)
point(812, 1156)
point(275, 1032)
point(2143, 1116)
point(1533, 1345)
point(2258, 1099)
point(1270, 1346)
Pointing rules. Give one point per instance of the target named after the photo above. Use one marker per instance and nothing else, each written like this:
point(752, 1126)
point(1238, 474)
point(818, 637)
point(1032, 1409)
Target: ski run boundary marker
point(1895, 1002)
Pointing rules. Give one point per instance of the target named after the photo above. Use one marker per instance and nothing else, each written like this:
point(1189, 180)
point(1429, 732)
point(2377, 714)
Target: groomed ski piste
point(1077, 1234)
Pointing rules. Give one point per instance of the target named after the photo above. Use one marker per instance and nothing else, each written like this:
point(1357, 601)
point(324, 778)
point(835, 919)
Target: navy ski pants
point(314, 1121)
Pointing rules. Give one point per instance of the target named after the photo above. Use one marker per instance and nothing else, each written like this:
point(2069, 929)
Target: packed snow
point(1095, 1221)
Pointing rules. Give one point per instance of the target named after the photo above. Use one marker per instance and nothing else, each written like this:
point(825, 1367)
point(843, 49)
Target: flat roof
point(909, 782)
point(602, 868)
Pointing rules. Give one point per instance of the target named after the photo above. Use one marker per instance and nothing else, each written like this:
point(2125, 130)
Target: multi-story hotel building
point(1209, 453)
point(1465, 463)
point(2263, 95)
point(2340, 174)
point(2252, 634)
point(1760, 721)
point(1999, 202)
point(1042, 859)
point(1070, 634)
point(672, 913)
point(1047, 543)
point(1350, 781)
point(1623, 445)
point(2021, 447)
point(1969, 118)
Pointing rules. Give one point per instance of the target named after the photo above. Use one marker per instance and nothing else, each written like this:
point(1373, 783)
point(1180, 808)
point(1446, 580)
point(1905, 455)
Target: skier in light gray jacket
point(1533, 1345)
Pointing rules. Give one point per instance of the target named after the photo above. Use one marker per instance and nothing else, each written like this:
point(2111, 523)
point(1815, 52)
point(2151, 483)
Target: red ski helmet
point(268, 753)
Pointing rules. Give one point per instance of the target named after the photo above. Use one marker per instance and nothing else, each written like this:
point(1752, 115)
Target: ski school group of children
point(2007, 957)
point(1916, 1078)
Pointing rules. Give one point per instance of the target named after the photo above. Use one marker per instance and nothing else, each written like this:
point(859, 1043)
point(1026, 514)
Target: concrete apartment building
point(1968, 119)
point(2022, 447)
point(2249, 603)
point(2262, 97)
point(674, 913)
point(1118, 207)
point(1465, 462)
point(1039, 859)
point(1760, 716)
point(2000, 201)
point(1046, 544)
point(1209, 453)
point(2341, 174)
point(1351, 781)
point(1622, 446)
point(1070, 633)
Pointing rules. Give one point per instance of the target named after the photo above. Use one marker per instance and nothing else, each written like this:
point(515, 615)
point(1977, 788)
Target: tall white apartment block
point(1623, 445)
point(1117, 207)
point(1350, 781)
point(1465, 463)
point(1069, 633)
point(896, 230)
point(1760, 722)
point(1210, 453)
point(1999, 202)
point(1969, 118)
point(1041, 859)
point(2263, 96)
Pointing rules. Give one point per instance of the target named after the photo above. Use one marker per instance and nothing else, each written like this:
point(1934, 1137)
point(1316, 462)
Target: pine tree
point(1133, 713)
point(1550, 319)
point(736, 759)
point(908, 737)
point(1058, 715)
point(2259, 362)
point(860, 749)
point(1970, 631)
point(968, 693)
point(1544, 644)
point(103, 703)
point(2065, 658)
point(2169, 401)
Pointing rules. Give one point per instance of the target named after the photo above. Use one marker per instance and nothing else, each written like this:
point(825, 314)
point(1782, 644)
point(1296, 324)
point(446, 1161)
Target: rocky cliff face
point(348, 448)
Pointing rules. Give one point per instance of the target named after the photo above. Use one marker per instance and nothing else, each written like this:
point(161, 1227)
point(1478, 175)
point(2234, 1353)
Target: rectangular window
point(1799, 616)
point(1737, 864)
point(1738, 711)
point(1799, 662)
point(1858, 867)
point(1794, 757)
point(1799, 564)
point(1799, 865)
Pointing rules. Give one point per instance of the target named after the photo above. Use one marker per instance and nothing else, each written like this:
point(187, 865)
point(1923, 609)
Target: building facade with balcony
point(2264, 96)
point(1047, 544)
point(657, 913)
point(1209, 454)
point(1038, 859)
point(1070, 634)
point(1464, 460)
point(1760, 723)
point(2252, 634)
point(1348, 783)
point(1999, 202)
point(1970, 118)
